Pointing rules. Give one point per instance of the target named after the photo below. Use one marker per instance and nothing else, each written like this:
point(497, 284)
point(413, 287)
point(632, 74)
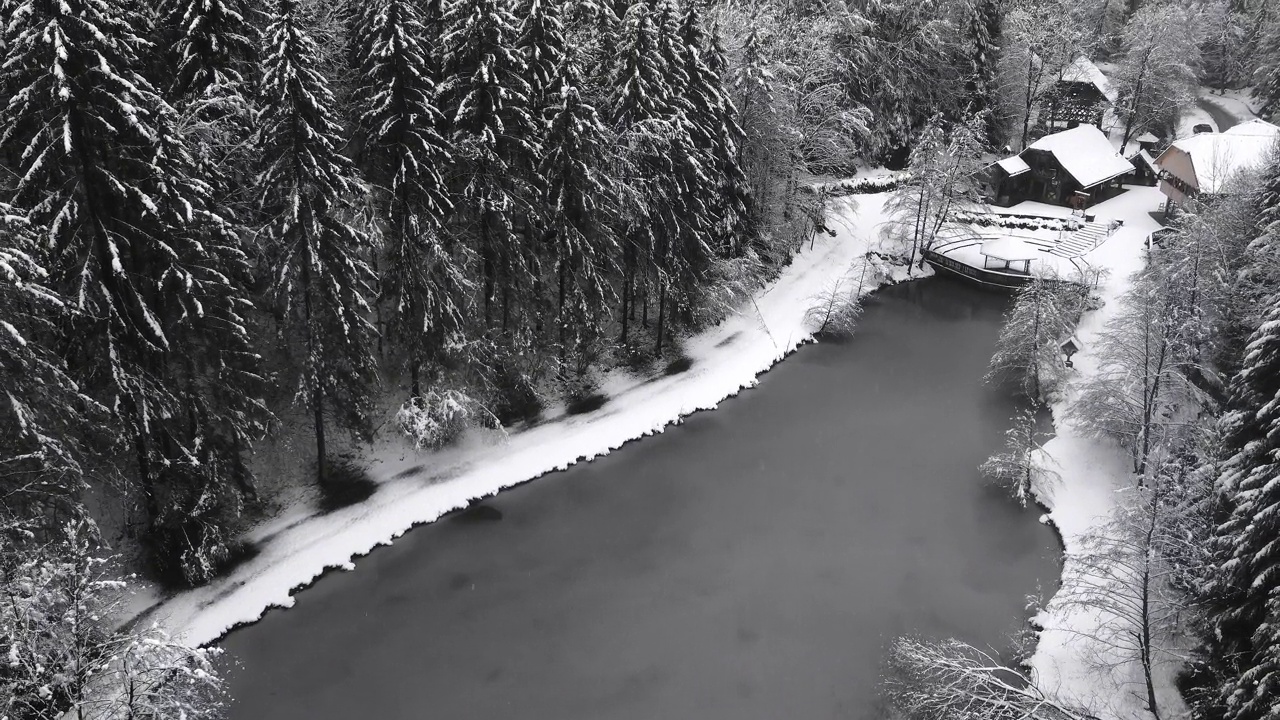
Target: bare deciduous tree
point(1123, 574)
point(952, 680)
point(1156, 74)
point(1022, 462)
point(943, 171)
point(1140, 395)
point(1028, 352)
point(834, 311)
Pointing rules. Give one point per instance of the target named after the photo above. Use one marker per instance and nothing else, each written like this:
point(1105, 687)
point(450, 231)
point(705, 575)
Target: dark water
point(750, 564)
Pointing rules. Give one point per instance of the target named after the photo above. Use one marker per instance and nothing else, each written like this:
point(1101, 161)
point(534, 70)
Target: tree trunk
point(1145, 641)
point(317, 372)
point(662, 316)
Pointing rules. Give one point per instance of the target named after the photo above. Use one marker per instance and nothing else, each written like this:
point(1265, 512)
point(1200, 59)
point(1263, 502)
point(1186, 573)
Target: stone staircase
point(1088, 237)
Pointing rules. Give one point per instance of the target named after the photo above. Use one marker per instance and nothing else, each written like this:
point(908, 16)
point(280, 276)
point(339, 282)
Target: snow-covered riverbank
point(416, 488)
point(1091, 474)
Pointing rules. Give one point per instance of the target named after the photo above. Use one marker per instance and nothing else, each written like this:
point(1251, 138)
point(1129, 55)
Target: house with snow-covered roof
point(1079, 165)
point(1081, 96)
point(1201, 165)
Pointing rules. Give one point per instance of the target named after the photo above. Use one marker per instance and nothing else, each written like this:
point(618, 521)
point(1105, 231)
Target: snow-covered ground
point(416, 488)
point(1091, 475)
point(1191, 117)
point(1238, 103)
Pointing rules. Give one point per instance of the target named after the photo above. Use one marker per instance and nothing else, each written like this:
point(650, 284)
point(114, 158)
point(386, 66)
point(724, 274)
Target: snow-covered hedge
point(862, 186)
point(1021, 222)
point(439, 418)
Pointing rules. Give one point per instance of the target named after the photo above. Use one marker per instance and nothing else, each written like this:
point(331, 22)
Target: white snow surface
point(1086, 153)
point(1092, 475)
point(417, 488)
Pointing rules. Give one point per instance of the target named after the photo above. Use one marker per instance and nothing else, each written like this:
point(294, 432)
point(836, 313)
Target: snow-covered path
point(1091, 472)
point(297, 548)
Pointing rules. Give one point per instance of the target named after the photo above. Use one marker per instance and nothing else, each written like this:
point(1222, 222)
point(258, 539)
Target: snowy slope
point(299, 547)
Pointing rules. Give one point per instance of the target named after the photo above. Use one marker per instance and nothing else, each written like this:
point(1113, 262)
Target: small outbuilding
point(1010, 254)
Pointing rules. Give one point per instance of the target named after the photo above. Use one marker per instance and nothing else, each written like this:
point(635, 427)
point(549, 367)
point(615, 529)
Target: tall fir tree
point(1266, 76)
point(211, 49)
point(155, 275)
point(580, 201)
point(485, 97)
point(638, 111)
point(715, 131)
point(1244, 596)
point(984, 22)
point(215, 45)
point(543, 44)
point(404, 155)
point(43, 412)
point(317, 257)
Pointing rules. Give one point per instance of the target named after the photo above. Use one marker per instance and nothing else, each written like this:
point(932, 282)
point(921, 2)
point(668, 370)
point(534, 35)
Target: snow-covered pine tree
point(640, 112)
point(155, 275)
point(542, 43)
point(715, 131)
point(319, 274)
point(43, 413)
point(1267, 74)
point(215, 44)
point(666, 24)
point(580, 206)
point(983, 30)
point(210, 47)
point(403, 155)
point(1245, 647)
point(485, 98)
point(687, 192)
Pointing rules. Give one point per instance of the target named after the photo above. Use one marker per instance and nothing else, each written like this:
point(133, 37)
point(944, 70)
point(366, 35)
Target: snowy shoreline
point(1084, 497)
point(299, 547)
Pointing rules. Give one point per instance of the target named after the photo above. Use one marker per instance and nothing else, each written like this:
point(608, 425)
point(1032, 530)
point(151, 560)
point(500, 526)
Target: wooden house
point(1081, 96)
point(1074, 167)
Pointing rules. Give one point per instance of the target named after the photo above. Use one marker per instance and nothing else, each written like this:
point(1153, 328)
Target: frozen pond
point(751, 563)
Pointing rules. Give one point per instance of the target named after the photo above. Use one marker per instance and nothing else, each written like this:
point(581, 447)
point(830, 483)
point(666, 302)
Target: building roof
point(1082, 70)
point(1011, 249)
point(1216, 157)
point(1013, 166)
point(1085, 153)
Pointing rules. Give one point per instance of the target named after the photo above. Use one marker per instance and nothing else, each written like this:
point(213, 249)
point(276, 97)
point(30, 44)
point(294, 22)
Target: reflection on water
point(751, 563)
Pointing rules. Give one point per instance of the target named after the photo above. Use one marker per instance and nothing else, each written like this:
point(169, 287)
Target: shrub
point(438, 419)
point(586, 403)
point(679, 365)
point(637, 355)
point(345, 483)
point(515, 397)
